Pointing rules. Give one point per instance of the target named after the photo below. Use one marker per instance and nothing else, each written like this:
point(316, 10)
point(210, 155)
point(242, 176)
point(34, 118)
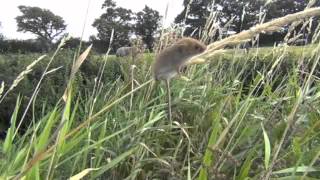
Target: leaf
point(115, 162)
point(20, 156)
point(2, 88)
point(83, 173)
point(152, 121)
point(72, 143)
point(296, 147)
point(184, 78)
point(45, 134)
point(34, 173)
point(8, 142)
point(298, 169)
point(267, 148)
point(209, 156)
point(295, 177)
point(75, 69)
point(79, 61)
point(245, 168)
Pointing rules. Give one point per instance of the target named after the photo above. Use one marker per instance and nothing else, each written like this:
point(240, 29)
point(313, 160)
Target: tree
point(41, 22)
point(244, 13)
point(196, 16)
point(147, 24)
point(116, 18)
point(281, 8)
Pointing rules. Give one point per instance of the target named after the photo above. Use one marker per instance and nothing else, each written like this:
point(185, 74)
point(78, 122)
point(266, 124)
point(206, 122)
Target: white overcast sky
point(74, 13)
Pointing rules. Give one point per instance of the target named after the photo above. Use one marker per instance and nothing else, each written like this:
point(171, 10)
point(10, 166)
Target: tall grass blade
point(83, 173)
point(8, 142)
point(267, 148)
point(115, 162)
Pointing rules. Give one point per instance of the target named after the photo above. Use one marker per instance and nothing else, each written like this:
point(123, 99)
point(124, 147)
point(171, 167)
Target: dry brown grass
point(247, 35)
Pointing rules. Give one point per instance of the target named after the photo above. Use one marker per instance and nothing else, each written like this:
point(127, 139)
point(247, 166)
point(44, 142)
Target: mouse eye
point(199, 49)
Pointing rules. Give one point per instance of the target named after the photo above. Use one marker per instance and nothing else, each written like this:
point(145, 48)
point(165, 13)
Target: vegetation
point(147, 25)
point(20, 46)
point(41, 22)
point(238, 16)
point(118, 20)
point(242, 115)
point(117, 23)
point(248, 91)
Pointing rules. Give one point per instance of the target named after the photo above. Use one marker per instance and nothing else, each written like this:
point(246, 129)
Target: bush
point(20, 46)
point(53, 86)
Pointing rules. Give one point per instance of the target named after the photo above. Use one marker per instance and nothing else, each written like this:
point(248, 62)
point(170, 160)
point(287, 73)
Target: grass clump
point(232, 92)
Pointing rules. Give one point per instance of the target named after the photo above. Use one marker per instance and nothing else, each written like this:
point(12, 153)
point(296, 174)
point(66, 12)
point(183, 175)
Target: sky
point(74, 13)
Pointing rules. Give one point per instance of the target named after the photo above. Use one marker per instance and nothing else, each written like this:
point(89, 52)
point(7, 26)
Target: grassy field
point(241, 116)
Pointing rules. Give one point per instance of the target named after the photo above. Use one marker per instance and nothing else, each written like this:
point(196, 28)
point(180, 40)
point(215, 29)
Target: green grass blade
point(115, 162)
point(267, 148)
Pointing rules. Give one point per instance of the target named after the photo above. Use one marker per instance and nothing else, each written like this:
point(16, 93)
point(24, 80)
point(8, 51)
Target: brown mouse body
point(171, 60)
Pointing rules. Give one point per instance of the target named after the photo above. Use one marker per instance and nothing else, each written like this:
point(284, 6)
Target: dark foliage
point(117, 19)
point(21, 46)
point(41, 22)
point(245, 14)
point(53, 86)
point(146, 25)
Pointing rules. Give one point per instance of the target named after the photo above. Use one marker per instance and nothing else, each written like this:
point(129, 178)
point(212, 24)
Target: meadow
point(236, 117)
